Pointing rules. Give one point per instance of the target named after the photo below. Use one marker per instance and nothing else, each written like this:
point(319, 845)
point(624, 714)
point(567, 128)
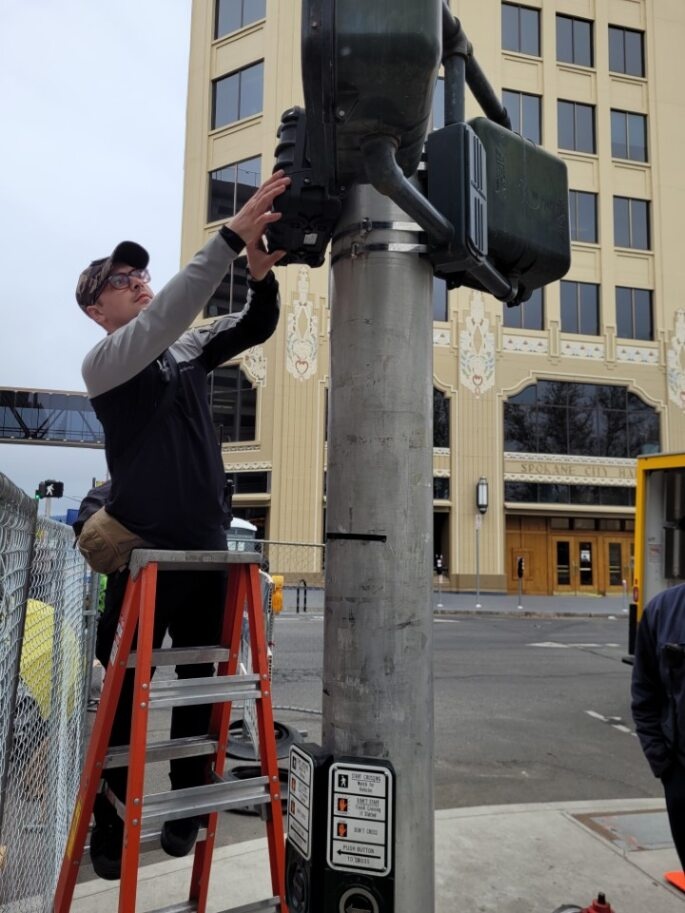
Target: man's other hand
point(259, 261)
point(250, 222)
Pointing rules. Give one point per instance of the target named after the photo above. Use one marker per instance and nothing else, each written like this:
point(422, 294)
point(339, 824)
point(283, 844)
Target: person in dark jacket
point(658, 700)
point(167, 474)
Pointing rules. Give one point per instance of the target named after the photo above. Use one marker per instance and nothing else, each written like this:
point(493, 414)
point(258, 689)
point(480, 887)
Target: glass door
point(575, 564)
point(617, 565)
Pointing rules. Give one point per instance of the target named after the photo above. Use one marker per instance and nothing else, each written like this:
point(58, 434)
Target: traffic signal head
point(369, 68)
point(50, 489)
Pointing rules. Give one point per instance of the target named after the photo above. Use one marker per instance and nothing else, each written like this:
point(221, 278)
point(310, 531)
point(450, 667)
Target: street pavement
point(531, 858)
point(487, 603)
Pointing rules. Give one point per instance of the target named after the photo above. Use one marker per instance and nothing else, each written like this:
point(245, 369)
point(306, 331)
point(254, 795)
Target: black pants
point(674, 790)
point(189, 605)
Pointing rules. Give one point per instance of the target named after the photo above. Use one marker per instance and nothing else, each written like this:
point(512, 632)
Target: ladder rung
point(206, 690)
point(201, 800)
point(189, 906)
point(189, 560)
point(183, 656)
point(189, 747)
point(261, 906)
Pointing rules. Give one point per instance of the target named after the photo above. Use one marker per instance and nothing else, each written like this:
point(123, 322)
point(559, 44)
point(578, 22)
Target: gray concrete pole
point(378, 647)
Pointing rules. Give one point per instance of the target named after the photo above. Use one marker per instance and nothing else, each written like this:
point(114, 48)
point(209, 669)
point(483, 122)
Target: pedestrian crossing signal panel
point(340, 837)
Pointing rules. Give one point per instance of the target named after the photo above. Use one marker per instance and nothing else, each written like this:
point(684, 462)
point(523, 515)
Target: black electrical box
point(369, 69)
point(309, 212)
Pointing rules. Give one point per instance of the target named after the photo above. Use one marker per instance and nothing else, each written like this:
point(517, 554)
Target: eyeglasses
point(124, 280)
point(121, 280)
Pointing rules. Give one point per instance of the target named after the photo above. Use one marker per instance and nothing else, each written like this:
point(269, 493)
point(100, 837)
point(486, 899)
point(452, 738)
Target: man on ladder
point(147, 381)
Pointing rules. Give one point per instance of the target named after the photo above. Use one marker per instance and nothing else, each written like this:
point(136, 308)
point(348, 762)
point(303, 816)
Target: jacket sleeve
point(125, 352)
point(649, 697)
point(228, 336)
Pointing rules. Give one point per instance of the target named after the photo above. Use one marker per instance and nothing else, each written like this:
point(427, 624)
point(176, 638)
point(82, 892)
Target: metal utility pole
point(378, 678)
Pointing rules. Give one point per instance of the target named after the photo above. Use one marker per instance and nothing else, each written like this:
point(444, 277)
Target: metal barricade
point(302, 565)
point(48, 722)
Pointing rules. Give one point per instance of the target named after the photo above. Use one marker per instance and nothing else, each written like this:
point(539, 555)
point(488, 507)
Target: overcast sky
point(92, 120)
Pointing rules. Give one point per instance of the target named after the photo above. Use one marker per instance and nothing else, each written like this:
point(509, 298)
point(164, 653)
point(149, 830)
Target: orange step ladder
point(143, 814)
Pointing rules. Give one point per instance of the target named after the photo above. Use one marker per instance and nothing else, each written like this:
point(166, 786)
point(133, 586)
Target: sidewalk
point(499, 859)
point(497, 603)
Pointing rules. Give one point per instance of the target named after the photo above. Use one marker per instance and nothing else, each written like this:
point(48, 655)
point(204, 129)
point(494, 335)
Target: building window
point(520, 29)
point(231, 187)
point(441, 488)
point(576, 126)
point(439, 104)
point(629, 136)
point(525, 113)
point(634, 313)
point(238, 95)
point(250, 483)
point(583, 213)
point(529, 315)
point(233, 403)
point(626, 51)
point(631, 223)
point(231, 15)
point(441, 419)
point(439, 299)
point(580, 308)
point(574, 41)
point(597, 495)
point(231, 295)
point(574, 418)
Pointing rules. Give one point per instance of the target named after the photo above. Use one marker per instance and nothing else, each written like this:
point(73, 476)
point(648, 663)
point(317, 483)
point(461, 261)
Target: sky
point(92, 132)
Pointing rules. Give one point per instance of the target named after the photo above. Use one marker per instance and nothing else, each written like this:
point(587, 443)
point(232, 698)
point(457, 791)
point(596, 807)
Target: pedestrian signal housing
point(508, 201)
point(309, 211)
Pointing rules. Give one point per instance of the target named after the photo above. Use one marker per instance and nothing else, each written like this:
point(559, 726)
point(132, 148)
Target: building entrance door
point(618, 551)
point(576, 564)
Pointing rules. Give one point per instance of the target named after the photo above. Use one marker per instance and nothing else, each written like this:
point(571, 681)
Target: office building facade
point(549, 402)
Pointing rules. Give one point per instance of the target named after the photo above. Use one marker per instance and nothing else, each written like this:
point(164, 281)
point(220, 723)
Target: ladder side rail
point(97, 749)
point(137, 745)
point(267, 741)
point(236, 595)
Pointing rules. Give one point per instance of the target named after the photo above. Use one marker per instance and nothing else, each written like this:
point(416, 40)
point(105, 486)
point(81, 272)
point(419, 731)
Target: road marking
point(446, 621)
point(553, 645)
point(614, 721)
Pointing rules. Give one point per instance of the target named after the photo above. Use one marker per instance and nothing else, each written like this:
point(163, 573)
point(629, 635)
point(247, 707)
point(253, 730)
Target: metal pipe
point(377, 678)
point(455, 42)
point(386, 176)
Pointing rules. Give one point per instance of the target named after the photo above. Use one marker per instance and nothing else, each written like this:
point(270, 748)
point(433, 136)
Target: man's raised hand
point(250, 222)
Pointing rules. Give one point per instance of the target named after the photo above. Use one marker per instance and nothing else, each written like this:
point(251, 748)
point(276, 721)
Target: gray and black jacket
point(658, 683)
point(167, 472)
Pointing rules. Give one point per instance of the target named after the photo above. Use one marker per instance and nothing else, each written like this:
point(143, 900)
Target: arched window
point(233, 402)
point(587, 419)
point(441, 419)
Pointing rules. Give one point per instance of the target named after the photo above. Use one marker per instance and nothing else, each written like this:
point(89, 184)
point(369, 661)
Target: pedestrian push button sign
point(300, 801)
point(360, 818)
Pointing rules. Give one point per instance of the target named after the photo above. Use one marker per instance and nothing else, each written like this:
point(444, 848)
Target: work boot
point(179, 836)
point(105, 850)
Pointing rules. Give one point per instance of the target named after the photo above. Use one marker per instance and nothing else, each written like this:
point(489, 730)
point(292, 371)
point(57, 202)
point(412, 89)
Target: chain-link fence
point(45, 722)
point(17, 525)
